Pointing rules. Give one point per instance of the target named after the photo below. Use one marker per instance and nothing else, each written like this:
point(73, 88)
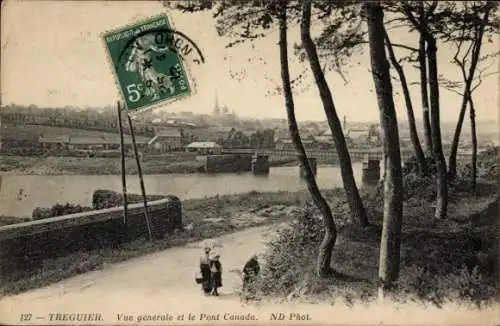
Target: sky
point(53, 56)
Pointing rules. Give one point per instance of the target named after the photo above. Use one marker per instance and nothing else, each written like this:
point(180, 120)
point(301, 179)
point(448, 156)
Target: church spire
point(216, 107)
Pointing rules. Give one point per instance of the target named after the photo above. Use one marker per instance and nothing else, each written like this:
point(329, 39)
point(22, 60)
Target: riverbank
point(215, 216)
point(203, 219)
point(59, 165)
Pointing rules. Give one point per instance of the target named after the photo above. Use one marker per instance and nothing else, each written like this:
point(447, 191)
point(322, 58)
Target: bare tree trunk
point(474, 143)
point(393, 185)
point(442, 178)
point(354, 199)
point(452, 162)
point(423, 85)
point(323, 268)
point(409, 107)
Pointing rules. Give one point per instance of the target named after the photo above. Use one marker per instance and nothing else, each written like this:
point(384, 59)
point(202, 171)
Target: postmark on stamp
point(148, 59)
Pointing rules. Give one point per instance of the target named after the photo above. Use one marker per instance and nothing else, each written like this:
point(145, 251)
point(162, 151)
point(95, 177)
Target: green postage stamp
point(147, 63)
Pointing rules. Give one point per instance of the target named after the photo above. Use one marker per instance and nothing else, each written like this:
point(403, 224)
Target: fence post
point(141, 180)
point(122, 157)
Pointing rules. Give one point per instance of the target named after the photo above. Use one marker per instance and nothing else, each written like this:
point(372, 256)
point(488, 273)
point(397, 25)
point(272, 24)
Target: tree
point(419, 154)
point(323, 267)
point(472, 116)
point(422, 59)
point(253, 16)
point(393, 182)
point(474, 36)
point(355, 203)
point(431, 54)
point(455, 86)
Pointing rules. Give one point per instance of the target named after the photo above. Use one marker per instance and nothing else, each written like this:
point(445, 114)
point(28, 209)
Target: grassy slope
point(32, 132)
point(453, 259)
point(53, 165)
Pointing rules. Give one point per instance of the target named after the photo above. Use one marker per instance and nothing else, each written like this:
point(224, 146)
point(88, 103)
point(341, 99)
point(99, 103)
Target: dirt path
point(157, 283)
point(153, 288)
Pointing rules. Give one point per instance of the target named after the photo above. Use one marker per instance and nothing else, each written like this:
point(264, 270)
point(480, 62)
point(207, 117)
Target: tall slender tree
point(325, 251)
point(350, 187)
point(419, 153)
point(424, 94)
point(438, 155)
point(393, 184)
point(474, 36)
point(472, 115)
point(248, 20)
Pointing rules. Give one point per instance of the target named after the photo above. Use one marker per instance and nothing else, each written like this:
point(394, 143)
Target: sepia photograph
point(249, 162)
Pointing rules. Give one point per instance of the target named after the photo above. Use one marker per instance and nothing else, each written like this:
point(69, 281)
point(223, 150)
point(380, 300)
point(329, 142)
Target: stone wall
point(260, 164)
point(228, 163)
point(24, 246)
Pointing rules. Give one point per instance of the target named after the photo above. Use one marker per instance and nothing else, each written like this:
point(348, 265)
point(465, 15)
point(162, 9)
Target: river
point(20, 194)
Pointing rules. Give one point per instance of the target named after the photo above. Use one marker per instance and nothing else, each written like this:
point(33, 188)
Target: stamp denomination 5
point(148, 61)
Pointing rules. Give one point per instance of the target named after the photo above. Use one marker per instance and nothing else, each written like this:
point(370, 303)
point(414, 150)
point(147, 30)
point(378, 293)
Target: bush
point(464, 285)
point(487, 165)
point(107, 198)
point(8, 220)
point(291, 255)
point(58, 210)
point(410, 166)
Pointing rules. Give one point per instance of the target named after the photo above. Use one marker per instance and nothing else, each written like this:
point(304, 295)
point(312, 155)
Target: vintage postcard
point(249, 162)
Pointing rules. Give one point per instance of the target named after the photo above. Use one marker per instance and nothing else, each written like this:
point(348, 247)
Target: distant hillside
point(32, 132)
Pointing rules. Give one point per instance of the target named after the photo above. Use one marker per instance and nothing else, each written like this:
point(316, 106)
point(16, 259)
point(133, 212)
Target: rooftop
point(169, 133)
point(209, 144)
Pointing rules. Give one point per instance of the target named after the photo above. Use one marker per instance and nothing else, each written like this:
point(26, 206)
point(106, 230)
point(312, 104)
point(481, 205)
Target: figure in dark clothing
point(216, 273)
point(205, 262)
point(251, 271)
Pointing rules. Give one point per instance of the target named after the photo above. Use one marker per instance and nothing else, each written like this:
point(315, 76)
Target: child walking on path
point(216, 273)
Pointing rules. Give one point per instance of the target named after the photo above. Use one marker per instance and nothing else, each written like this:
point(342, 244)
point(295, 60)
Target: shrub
point(107, 198)
point(411, 166)
point(291, 255)
point(58, 210)
point(487, 165)
point(464, 285)
point(7, 220)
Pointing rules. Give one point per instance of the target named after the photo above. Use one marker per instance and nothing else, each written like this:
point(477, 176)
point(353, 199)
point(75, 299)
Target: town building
point(166, 141)
point(358, 135)
point(325, 140)
point(106, 143)
point(54, 142)
point(287, 144)
point(205, 148)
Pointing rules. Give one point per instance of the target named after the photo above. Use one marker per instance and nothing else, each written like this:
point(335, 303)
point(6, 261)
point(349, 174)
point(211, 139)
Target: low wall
point(260, 164)
point(24, 246)
point(228, 163)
